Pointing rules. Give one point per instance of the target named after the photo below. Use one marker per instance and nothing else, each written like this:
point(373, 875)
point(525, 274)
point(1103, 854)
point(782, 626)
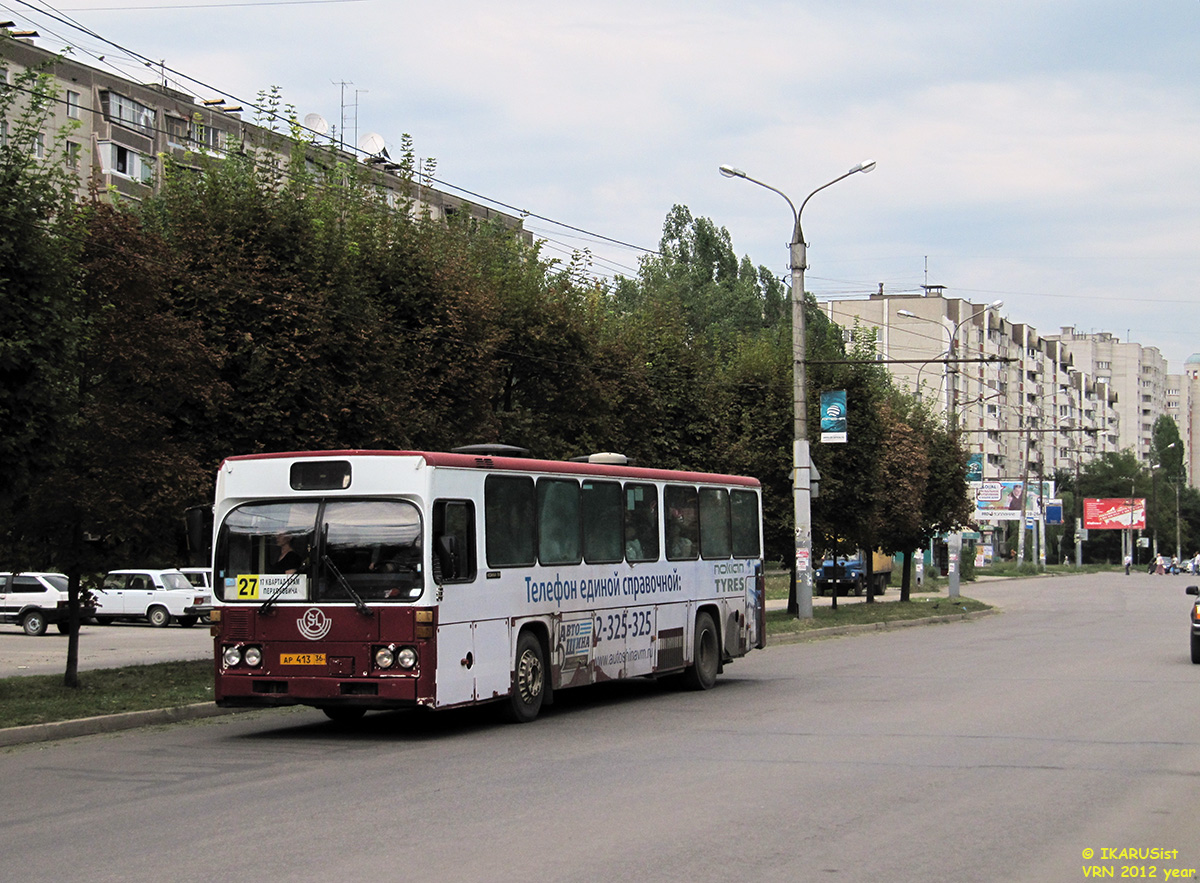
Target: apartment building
point(125, 129)
point(1019, 398)
point(1138, 374)
point(1189, 415)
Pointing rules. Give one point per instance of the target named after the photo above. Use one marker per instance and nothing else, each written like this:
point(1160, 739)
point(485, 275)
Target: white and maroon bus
point(356, 580)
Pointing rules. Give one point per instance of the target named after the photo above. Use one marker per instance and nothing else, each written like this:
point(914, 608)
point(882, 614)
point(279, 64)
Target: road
point(993, 750)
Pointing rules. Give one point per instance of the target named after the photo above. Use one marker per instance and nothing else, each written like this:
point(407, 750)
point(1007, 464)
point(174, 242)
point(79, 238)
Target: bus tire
point(529, 680)
point(706, 655)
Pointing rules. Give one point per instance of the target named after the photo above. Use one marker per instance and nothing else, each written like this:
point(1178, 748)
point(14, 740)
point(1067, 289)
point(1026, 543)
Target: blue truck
point(849, 575)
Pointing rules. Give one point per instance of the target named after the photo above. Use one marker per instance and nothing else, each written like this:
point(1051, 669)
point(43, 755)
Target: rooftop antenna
point(342, 131)
point(357, 92)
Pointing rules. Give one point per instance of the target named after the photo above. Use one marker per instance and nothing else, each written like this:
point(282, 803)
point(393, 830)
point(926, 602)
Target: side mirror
point(1192, 590)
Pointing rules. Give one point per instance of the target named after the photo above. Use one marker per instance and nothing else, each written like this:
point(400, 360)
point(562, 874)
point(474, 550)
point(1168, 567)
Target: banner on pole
point(833, 416)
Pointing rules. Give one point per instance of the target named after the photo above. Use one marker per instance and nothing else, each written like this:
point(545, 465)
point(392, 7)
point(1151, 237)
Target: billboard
point(1114, 514)
point(1004, 500)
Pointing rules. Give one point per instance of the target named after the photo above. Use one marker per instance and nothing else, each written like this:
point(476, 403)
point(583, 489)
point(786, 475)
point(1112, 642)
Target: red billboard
point(1114, 514)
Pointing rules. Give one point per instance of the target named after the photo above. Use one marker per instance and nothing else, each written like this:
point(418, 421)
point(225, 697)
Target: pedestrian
point(1158, 565)
point(1128, 563)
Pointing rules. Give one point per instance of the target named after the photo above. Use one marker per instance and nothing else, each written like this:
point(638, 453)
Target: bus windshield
point(373, 545)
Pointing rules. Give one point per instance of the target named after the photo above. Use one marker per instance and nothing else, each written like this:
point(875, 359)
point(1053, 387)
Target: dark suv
point(1195, 590)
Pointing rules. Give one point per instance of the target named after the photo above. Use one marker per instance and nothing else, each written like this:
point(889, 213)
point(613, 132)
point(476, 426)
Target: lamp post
point(801, 461)
point(955, 551)
point(1178, 544)
point(1154, 467)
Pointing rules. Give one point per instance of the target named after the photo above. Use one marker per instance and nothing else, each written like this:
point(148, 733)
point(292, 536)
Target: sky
point(1039, 153)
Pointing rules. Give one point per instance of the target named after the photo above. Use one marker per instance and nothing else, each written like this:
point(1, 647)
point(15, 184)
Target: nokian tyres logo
point(314, 624)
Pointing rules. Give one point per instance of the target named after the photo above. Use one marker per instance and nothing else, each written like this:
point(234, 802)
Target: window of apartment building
point(1104, 366)
point(73, 104)
point(124, 161)
point(205, 136)
point(3, 133)
point(127, 112)
point(39, 146)
point(74, 151)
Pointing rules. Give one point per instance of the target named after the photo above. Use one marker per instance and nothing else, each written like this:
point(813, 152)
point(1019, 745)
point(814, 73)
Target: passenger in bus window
point(288, 560)
point(633, 545)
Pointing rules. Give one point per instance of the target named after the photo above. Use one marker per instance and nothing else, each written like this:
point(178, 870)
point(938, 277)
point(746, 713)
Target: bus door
point(474, 655)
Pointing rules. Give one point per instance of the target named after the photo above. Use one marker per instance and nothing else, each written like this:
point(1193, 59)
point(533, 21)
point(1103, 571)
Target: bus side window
point(453, 541)
point(510, 512)
point(558, 521)
point(744, 505)
point(683, 522)
point(641, 522)
point(714, 523)
point(602, 532)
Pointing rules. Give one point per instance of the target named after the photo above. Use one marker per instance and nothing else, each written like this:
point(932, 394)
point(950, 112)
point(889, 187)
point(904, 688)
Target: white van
point(157, 596)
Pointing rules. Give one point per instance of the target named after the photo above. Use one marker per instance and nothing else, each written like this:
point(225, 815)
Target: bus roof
point(519, 464)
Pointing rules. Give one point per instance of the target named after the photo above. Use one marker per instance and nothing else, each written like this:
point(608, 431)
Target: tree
point(44, 327)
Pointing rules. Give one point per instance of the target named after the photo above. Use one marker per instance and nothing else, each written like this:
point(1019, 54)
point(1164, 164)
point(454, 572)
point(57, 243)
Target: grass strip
point(780, 622)
point(40, 699)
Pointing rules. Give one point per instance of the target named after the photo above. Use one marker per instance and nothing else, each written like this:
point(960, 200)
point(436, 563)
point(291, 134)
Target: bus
point(358, 580)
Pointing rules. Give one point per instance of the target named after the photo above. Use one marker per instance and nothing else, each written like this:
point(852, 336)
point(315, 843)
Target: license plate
point(301, 658)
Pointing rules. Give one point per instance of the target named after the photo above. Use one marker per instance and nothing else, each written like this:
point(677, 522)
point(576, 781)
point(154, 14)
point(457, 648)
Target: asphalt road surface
point(1001, 749)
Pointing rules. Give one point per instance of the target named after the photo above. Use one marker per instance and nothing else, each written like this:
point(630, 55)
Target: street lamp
point(801, 461)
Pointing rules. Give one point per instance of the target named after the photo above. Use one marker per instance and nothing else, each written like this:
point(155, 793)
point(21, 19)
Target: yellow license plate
point(301, 658)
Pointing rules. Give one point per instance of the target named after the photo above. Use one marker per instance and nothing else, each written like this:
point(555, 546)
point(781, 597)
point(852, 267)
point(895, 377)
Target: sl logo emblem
point(314, 624)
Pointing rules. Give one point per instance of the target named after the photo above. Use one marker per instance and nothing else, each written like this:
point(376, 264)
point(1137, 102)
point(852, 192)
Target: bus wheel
point(706, 655)
point(529, 680)
point(342, 714)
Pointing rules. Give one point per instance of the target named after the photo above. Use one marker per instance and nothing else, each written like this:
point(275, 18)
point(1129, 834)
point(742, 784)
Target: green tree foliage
point(39, 288)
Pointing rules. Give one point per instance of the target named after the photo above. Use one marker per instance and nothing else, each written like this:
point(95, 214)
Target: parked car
point(34, 600)
point(1195, 590)
point(157, 596)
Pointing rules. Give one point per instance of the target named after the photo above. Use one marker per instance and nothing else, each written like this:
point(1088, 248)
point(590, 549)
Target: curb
point(831, 631)
point(109, 723)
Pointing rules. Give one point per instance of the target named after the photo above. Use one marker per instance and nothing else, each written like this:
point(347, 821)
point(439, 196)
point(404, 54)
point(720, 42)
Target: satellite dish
point(371, 143)
point(316, 123)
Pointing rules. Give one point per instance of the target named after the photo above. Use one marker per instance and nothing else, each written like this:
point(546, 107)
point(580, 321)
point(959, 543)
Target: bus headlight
point(406, 658)
point(253, 656)
point(232, 656)
point(384, 658)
